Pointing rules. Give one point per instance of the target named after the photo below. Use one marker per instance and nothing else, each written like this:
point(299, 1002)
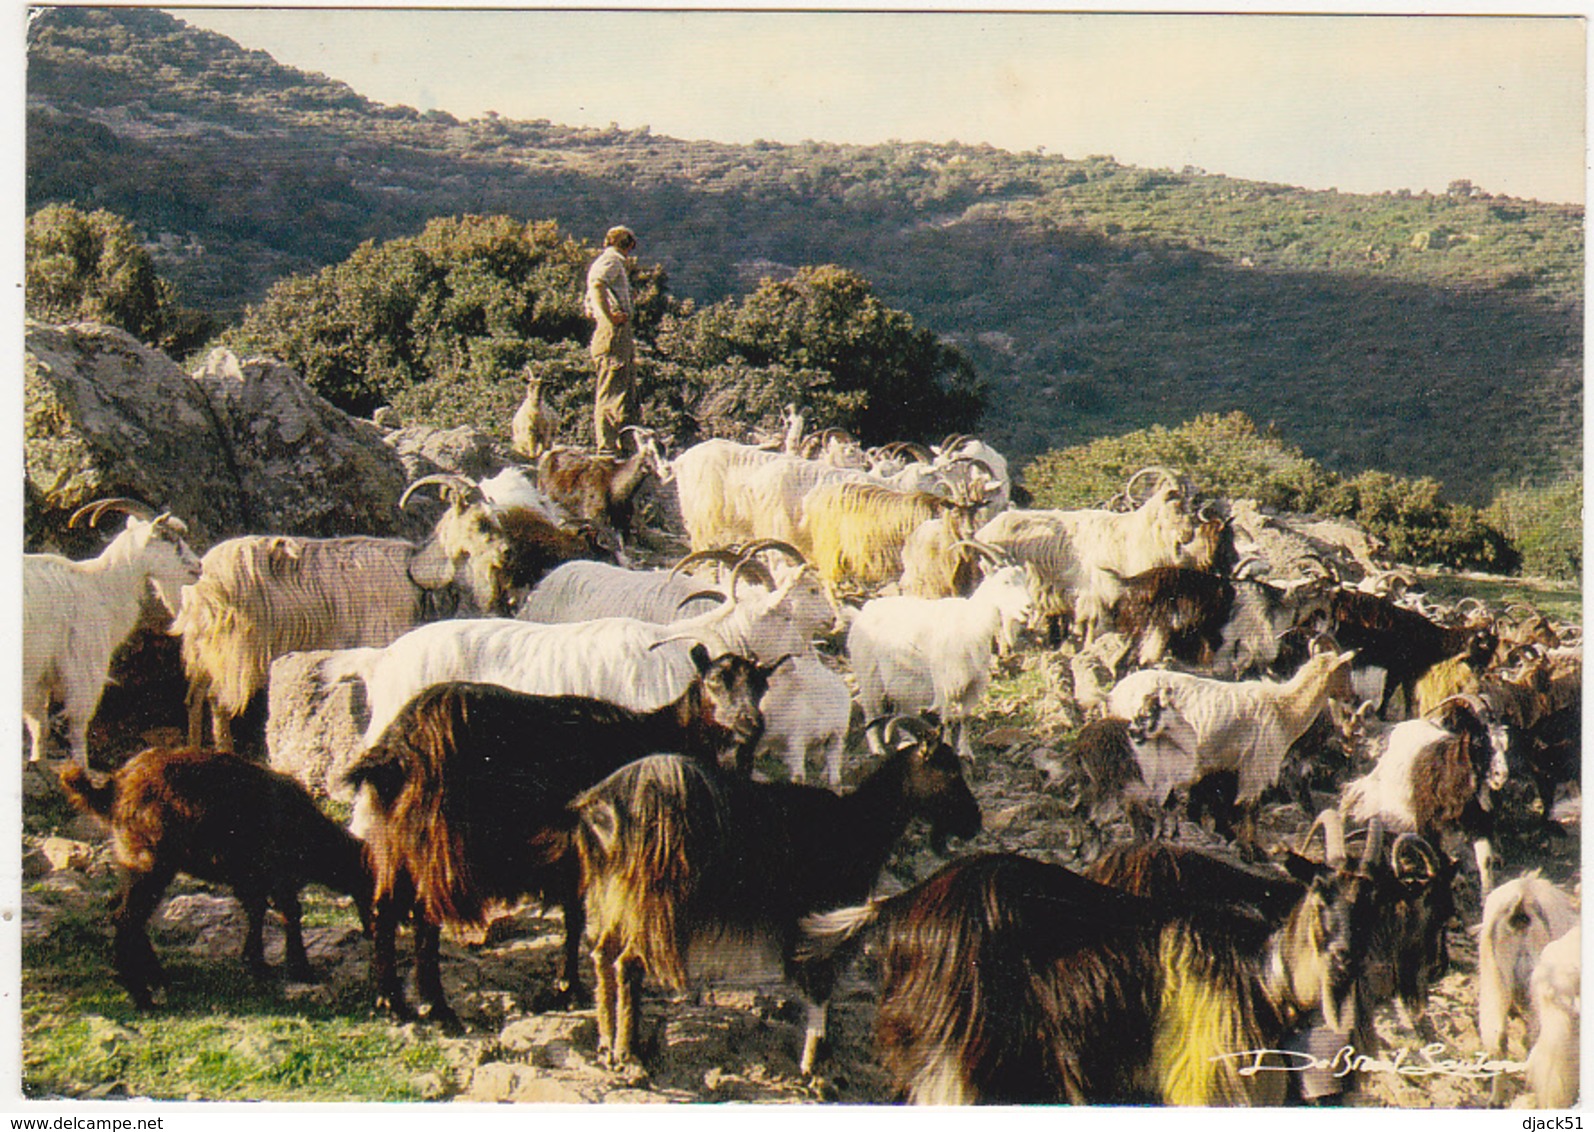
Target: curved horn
point(1206, 514)
point(450, 482)
point(1424, 851)
point(759, 572)
point(909, 723)
point(835, 431)
point(758, 546)
point(691, 597)
point(725, 555)
point(748, 565)
point(96, 511)
point(1326, 567)
point(1333, 827)
point(973, 462)
point(1129, 484)
point(1470, 602)
point(918, 451)
point(954, 441)
point(1375, 844)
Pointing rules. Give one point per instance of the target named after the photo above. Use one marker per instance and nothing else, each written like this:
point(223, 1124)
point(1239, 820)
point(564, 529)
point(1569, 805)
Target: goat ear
point(700, 657)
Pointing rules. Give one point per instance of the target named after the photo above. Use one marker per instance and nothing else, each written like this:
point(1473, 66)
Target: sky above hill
point(1358, 103)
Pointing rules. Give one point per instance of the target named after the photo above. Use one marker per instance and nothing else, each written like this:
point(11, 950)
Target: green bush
point(1223, 455)
point(91, 265)
point(1227, 457)
point(1546, 526)
point(465, 303)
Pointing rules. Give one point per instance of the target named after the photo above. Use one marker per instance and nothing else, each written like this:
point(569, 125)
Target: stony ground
point(740, 1044)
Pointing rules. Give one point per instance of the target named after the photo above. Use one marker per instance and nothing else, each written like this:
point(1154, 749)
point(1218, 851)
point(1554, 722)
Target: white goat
point(75, 614)
point(1557, 993)
point(807, 708)
point(1192, 726)
point(535, 424)
point(734, 493)
point(517, 487)
point(1520, 919)
point(263, 596)
point(584, 590)
point(1077, 558)
point(634, 664)
point(913, 654)
point(958, 448)
point(1434, 775)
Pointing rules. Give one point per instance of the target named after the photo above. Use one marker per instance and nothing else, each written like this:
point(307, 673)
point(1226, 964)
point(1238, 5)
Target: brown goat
point(1401, 641)
point(470, 777)
point(1012, 981)
point(536, 546)
point(692, 873)
point(597, 488)
point(222, 819)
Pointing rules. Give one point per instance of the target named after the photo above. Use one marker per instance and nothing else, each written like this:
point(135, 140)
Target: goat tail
point(835, 937)
point(86, 796)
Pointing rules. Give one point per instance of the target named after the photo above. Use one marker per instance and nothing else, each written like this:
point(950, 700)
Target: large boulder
point(104, 415)
point(315, 720)
point(243, 446)
point(465, 451)
point(303, 466)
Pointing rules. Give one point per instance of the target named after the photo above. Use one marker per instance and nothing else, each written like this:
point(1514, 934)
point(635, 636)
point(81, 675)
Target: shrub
point(1546, 526)
point(1227, 457)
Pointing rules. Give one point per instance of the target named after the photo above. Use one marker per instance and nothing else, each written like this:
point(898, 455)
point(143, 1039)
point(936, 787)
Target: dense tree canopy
point(862, 364)
point(445, 325)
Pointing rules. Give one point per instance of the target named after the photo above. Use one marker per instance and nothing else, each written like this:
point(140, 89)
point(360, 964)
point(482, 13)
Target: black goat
point(1401, 641)
point(469, 779)
point(1008, 980)
point(1415, 905)
point(222, 819)
point(1174, 610)
point(692, 873)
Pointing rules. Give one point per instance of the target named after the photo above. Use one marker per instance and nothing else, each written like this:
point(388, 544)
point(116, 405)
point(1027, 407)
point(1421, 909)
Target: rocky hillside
point(1418, 334)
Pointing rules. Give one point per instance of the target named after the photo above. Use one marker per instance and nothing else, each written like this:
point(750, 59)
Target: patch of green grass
point(1557, 600)
point(220, 1050)
point(220, 1035)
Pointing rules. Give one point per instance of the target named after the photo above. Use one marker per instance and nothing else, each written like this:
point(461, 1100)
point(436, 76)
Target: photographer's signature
point(1428, 1061)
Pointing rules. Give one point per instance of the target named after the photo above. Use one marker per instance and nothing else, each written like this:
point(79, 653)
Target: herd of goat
point(548, 721)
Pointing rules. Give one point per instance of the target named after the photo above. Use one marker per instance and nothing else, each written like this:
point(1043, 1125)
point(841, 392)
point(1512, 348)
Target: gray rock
point(107, 415)
point(464, 451)
point(315, 722)
point(303, 466)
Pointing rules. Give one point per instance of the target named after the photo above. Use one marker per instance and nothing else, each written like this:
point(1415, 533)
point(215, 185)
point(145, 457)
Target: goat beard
point(1339, 1001)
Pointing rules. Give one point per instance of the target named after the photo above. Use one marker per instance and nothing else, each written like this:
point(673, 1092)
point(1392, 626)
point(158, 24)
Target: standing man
point(613, 347)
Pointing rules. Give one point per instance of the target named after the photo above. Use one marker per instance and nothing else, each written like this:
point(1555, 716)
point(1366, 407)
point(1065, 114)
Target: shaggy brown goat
point(1401, 641)
point(469, 777)
point(1009, 980)
point(222, 819)
point(689, 873)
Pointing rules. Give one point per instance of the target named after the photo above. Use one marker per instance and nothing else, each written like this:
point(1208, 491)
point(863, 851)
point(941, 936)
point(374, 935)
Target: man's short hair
point(619, 237)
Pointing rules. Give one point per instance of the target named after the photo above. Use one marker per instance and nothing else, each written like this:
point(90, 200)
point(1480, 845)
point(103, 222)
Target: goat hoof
point(446, 1020)
point(395, 1008)
point(632, 1071)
